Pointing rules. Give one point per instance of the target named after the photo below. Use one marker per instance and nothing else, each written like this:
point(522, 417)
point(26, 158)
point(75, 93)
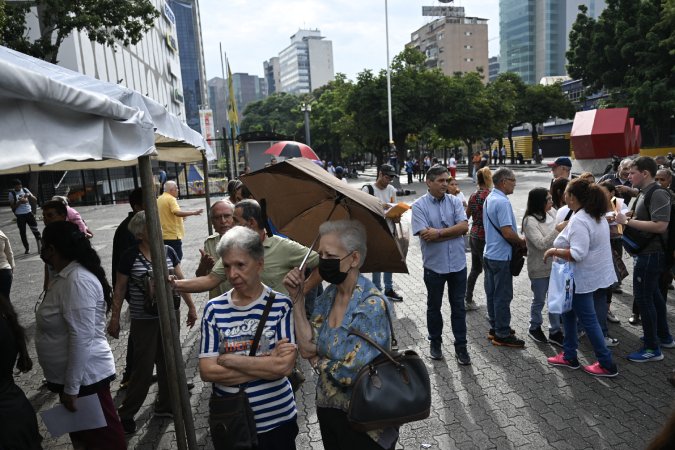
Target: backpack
point(370, 188)
point(669, 246)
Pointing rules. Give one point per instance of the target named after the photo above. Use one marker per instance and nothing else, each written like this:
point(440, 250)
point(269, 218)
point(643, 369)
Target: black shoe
point(190, 385)
point(26, 252)
point(163, 414)
point(393, 296)
point(491, 333)
point(510, 341)
point(556, 338)
point(435, 350)
point(154, 378)
point(634, 319)
point(462, 357)
point(537, 335)
point(129, 426)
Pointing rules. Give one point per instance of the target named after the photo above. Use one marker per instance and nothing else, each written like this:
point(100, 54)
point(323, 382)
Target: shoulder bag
point(391, 390)
point(518, 254)
point(231, 418)
point(147, 285)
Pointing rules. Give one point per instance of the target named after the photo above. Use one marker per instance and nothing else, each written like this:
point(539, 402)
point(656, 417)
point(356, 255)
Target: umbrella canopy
point(291, 149)
point(49, 114)
point(299, 196)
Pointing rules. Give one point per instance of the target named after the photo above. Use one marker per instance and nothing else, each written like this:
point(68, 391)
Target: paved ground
point(506, 399)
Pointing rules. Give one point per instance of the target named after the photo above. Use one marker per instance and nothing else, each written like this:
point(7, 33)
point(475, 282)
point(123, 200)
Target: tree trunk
point(510, 136)
point(535, 139)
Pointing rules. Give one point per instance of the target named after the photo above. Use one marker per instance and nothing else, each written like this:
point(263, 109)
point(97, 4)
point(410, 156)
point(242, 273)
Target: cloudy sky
point(252, 31)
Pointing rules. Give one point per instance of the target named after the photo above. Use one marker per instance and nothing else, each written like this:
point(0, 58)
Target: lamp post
point(306, 108)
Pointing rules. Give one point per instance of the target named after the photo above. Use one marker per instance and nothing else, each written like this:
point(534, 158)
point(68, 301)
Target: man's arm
point(187, 213)
point(512, 236)
point(199, 284)
point(443, 234)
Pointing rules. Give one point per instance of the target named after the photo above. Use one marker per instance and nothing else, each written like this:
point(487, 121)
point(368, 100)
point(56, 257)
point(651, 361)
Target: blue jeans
point(646, 273)
point(583, 309)
point(435, 283)
point(499, 293)
point(539, 288)
point(388, 282)
point(601, 307)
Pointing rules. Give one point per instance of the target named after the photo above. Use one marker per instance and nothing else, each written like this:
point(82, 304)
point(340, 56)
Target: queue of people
point(255, 283)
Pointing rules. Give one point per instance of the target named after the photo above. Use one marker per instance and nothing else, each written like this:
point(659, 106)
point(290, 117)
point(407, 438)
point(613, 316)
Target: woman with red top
point(474, 212)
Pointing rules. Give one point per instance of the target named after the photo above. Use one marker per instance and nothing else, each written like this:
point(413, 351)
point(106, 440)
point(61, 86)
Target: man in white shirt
point(386, 193)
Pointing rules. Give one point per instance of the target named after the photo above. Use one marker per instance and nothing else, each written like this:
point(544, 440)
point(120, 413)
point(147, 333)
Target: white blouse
point(6, 255)
point(588, 241)
point(70, 330)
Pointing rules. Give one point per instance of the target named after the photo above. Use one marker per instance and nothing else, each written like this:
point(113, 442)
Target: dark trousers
point(6, 282)
point(337, 433)
point(148, 352)
point(477, 246)
point(435, 283)
point(27, 219)
point(129, 361)
point(646, 273)
point(410, 177)
point(177, 245)
point(110, 437)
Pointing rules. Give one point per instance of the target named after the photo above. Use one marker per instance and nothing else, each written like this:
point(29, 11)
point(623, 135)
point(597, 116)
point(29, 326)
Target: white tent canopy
point(52, 118)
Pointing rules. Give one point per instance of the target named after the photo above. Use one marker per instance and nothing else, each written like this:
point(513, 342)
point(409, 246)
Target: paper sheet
point(89, 415)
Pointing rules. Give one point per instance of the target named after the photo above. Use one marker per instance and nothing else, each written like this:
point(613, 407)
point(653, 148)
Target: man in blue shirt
point(440, 222)
point(501, 233)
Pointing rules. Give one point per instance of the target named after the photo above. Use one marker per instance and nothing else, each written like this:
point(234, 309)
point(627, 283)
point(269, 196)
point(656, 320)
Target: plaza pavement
point(506, 399)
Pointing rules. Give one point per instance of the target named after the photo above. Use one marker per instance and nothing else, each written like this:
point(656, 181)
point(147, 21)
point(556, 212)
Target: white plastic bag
point(560, 287)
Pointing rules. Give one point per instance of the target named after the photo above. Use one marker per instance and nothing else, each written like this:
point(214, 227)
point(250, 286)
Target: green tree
point(105, 21)
point(542, 103)
point(278, 113)
point(629, 52)
point(332, 126)
point(511, 81)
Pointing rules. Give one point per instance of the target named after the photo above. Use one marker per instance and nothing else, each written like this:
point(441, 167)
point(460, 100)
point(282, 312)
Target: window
point(468, 33)
point(468, 47)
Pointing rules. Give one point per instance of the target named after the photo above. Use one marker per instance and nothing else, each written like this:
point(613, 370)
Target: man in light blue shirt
point(440, 222)
point(501, 233)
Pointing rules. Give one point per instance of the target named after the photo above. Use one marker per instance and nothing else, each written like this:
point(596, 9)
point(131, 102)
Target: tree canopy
point(629, 52)
point(105, 21)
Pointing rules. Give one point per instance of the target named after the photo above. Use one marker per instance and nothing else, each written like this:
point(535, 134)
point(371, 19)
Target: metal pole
point(207, 194)
point(93, 174)
point(235, 169)
point(112, 196)
point(175, 368)
point(230, 151)
point(386, 27)
point(306, 109)
point(187, 186)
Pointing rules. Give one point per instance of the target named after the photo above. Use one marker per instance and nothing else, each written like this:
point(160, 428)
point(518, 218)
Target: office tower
point(247, 89)
point(218, 101)
point(306, 64)
point(272, 75)
point(493, 68)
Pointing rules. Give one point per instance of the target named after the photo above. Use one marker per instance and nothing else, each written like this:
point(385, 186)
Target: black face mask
point(329, 269)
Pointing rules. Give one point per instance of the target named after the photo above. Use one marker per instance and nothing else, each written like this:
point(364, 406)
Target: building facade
point(493, 68)
point(218, 101)
point(247, 89)
point(454, 43)
point(534, 35)
point(272, 75)
point(193, 72)
point(306, 64)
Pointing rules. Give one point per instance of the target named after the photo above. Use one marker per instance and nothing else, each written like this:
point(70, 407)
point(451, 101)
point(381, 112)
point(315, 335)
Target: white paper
point(89, 415)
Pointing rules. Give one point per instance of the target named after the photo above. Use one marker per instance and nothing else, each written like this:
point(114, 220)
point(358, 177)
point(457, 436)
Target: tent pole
point(207, 193)
point(168, 325)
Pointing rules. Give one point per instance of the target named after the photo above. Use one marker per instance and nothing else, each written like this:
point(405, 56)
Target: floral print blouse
point(342, 356)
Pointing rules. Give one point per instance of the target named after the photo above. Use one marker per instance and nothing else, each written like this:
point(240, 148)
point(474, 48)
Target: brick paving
point(506, 399)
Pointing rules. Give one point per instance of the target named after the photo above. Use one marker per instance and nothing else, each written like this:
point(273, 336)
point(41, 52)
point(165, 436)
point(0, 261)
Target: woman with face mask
point(351, 301)
point(70, 331)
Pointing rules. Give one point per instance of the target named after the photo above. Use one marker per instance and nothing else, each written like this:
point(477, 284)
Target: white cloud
point(252, 31)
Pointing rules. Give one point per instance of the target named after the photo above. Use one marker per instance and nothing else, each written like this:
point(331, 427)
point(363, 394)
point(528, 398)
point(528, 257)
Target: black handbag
point(391, 390)
point(231, 418)
point(518, 254)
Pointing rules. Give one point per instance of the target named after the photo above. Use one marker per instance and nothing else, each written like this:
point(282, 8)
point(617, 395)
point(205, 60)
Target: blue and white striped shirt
point(228, 328)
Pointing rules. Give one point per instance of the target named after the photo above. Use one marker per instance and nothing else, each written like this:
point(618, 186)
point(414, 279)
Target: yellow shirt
point(172, 225)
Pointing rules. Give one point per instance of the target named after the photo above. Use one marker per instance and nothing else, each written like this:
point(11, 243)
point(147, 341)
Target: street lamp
point(306, 108)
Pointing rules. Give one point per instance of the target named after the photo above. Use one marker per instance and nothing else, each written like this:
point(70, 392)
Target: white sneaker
point(612, 318)
point(611, 342)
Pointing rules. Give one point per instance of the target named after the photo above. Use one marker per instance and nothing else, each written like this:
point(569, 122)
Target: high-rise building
point(453, 42)
point(493, 68)
point(191, 54)
point(218, 101)
point(534, 35)
point(306, 64)
point(272, 75)
point(247, 89)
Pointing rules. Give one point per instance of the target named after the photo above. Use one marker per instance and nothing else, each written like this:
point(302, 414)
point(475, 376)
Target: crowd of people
point(272, 300)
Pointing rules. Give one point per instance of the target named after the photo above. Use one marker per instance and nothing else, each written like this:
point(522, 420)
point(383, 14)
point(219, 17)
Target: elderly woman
point(70, 331)
point(229, 325)
point(351, 301)
point(144, 332)
point(585, 243)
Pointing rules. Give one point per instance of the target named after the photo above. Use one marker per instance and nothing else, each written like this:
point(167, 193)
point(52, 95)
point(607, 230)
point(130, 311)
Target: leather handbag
point(231, 418)
point(391, 390)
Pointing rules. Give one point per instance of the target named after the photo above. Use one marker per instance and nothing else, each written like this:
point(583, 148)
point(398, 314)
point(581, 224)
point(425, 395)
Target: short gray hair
point(435, 171)
point(170, 185)
point(501, 174)
point(241, 238)
point(61, 198)
point(351, 234)
point(137, 224)
point(224, 202)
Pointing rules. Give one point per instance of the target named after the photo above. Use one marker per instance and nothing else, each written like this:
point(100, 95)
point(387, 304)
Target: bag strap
point(485, 213)
point(261, 323)
point(569, 214)
point(394, 342)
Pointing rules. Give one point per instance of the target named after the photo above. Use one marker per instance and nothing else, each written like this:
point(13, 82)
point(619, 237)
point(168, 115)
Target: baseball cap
point(388, 169)
point(339, 170)
point(562, 161)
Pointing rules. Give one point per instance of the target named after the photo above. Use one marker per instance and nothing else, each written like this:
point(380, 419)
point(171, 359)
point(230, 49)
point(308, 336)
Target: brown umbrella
point(299, 196)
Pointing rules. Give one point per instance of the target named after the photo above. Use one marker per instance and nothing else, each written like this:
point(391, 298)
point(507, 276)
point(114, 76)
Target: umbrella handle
point(338, 199)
